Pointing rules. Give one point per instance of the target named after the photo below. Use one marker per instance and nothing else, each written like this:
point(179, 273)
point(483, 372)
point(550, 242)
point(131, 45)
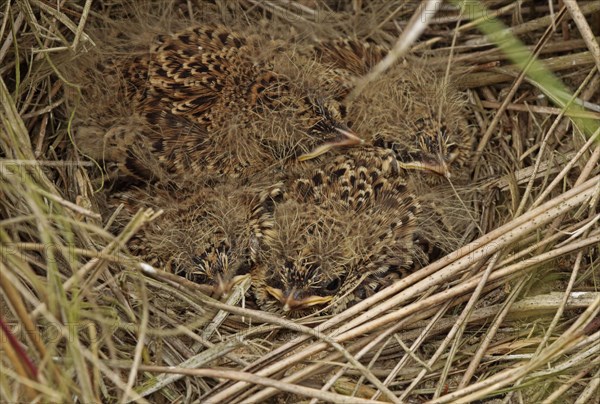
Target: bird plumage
point(215, 100)
point(209, 236)
point(211, 100)
point(420, 116)
point(234, 103)
point(337, 233)
point(411, 109)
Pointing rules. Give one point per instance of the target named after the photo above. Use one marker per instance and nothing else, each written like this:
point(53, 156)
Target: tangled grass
point(513, 314)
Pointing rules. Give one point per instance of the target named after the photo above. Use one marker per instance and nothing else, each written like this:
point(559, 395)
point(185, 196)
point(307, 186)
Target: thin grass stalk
point(529, 63)
point(492, 14)
point(451, 264)
point(454, 333)
point(186, 329)
point(404, 312)
point(65, 21)
point(270, 318)
point(561, 308)
point(367, 348)
point(534, 24)
point(157, 383)
point(590, 391)
point(496, 382)
point(279, 10)
point(14, 128)
point(584, 174)
point(491, 332)
point(542, 244)
point(381, 337)
point(237, 295)
point(415, 27)
point(111, 375)
point(416, 344)
point(80, 27)
point(15, 24)
point(386, 20)
point(95, 351)
point(360, 383)
point(566, 168)
point(45, 392)
point(264, 381)
point(508, 73)
point(308, 371)
point(20, 311)
point(590, 166)
point(462, 322)
point(564, 387)
point(537, 109)
point(559, 311)
point(542, 148)
point(585, 354)
point(18, 358)
point(139, 346)
point(584, 30)
point(586, 351)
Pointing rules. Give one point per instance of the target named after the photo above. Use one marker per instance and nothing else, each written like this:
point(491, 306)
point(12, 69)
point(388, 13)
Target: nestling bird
point(410, 109)
point(211, 99)
point(209, 236)
point(339, 233)
point(215, 100)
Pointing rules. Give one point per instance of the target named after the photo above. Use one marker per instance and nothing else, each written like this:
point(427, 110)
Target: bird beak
point(224, 288)
point(348, 138)
point(439, 166)
point(290, 303)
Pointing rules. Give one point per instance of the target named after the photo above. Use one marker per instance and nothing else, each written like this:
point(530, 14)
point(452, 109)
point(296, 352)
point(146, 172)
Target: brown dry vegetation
point(513, 314)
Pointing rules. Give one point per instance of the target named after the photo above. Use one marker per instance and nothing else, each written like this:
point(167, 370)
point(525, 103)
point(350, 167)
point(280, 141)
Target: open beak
point(290, 303)
point(348, 138)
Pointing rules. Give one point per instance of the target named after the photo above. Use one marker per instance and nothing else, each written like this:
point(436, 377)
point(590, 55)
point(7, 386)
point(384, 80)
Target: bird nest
point(508, 311)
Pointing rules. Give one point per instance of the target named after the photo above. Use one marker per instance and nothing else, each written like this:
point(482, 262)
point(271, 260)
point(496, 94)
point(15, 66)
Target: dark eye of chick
point(443, 130)
point(452, 148)
point(334, 285)
point(244, 268)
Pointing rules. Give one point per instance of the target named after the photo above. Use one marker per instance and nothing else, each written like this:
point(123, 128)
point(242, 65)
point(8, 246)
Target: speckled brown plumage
point(219, 101)
point(339, 233)
point(411, 109)
point(210, 100)
point(420, 117)
point(210, 236)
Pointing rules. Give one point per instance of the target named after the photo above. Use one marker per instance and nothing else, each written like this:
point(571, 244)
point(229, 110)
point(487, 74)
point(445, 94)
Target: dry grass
point(512, 314)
